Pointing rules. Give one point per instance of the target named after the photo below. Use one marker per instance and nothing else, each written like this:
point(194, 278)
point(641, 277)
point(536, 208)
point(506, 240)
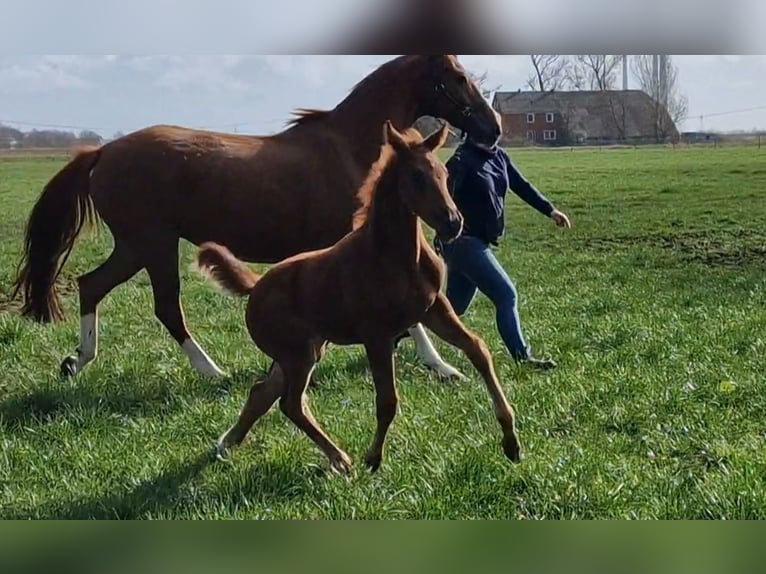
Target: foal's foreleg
point(381, 358)
point(430, 356)
point(93, 287)
point(443, 321)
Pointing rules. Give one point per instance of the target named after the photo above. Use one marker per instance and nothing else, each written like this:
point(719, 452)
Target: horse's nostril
point(455, 223)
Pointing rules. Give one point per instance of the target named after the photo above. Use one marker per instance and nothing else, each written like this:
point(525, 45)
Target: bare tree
point(89, 137)
point(670, 106)
point(481, 81)
point(549, 72)
point(618, 111)
point(592, 72)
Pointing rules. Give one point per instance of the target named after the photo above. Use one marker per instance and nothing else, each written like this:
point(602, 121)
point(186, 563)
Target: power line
point(56, 126)
point(242, 124)
point(235, 125)
point(10, 123)
point(727, 113)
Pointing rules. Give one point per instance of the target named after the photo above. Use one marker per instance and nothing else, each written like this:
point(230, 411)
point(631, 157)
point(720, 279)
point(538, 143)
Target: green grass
point(653, 304)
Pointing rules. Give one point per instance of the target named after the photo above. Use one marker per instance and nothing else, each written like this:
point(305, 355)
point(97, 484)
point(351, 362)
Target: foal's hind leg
point(263, 395)
point(166, 285)
point(294, 405)
point(443, 321)
point(93, 287)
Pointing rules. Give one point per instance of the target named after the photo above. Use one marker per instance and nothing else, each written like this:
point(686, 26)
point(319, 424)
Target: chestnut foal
point(367, 289)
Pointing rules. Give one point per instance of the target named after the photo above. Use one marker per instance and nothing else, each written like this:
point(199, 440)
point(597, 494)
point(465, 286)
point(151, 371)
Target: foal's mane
point(366, 192)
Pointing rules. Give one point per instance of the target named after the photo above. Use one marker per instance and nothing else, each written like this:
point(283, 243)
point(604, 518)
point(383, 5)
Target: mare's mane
point(387, 73)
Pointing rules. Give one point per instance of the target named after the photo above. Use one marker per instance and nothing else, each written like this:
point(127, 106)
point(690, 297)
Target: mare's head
point(422, 181)
point(449, 93)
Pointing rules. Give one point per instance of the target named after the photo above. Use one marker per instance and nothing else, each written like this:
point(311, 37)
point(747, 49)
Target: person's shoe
point(542, 364)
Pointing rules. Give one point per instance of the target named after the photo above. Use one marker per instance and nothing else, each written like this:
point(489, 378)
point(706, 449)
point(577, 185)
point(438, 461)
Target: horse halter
point(441, 88)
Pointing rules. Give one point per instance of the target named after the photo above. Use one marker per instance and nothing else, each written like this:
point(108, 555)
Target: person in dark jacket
point(479, 178)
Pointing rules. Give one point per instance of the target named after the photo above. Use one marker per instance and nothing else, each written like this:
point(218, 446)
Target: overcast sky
point(257, 93)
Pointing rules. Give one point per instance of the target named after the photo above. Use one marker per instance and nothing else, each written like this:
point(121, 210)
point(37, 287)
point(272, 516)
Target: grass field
point(654, 305)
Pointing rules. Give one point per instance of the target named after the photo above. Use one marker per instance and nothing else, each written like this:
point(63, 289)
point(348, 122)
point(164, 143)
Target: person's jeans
point(471, 265)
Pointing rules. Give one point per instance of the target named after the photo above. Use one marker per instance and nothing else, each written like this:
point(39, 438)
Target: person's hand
point(561, 219)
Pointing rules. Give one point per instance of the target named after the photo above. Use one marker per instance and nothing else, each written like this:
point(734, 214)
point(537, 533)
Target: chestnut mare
point(366, 289)
point(265, 198)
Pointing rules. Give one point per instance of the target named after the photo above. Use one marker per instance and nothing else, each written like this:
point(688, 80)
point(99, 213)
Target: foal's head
point(423, 181)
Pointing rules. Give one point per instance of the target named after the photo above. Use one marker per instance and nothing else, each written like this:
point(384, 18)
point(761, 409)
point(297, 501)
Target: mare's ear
point(393, 137)
point(438, 138)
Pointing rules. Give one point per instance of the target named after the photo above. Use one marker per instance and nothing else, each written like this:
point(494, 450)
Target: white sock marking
point(88, 340)
point(429, 355)
point(200, 360)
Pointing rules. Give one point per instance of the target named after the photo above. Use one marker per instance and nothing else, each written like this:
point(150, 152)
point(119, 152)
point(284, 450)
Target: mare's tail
point(62, 210)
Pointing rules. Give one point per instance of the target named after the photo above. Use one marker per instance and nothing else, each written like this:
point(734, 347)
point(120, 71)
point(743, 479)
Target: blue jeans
point(471, 265)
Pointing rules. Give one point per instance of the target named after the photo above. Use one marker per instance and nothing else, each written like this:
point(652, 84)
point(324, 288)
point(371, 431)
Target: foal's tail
point(61, 211)
point(226, 270)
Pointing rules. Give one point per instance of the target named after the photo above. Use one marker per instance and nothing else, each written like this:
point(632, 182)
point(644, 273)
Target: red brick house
point(570, 117)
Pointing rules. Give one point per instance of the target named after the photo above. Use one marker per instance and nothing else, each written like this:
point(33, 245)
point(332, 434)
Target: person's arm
point(526, 191)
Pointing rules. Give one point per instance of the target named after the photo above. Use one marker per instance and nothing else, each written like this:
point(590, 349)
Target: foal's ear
point(438, 138)
point(393, 137)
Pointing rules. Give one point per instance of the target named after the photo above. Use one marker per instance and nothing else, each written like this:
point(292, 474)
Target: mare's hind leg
point(162, 266)
point(430, 356)
point(443, 321)
point(294, 404)
point(263, 395)
point(93, 287)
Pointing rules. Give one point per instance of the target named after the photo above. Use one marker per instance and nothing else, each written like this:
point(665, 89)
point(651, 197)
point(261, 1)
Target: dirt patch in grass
point(65, 287)
point(731, 248)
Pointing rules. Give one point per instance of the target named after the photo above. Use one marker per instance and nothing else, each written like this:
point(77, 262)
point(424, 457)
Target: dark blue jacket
point(478, 182)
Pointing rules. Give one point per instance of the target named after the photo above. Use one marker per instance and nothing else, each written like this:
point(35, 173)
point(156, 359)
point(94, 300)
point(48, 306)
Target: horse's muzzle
point(452, 229)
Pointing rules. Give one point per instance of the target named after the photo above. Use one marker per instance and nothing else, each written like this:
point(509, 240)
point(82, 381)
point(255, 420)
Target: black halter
point(441, 88)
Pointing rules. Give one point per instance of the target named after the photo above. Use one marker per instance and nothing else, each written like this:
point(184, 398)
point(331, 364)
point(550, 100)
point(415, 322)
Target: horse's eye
point(420, 180)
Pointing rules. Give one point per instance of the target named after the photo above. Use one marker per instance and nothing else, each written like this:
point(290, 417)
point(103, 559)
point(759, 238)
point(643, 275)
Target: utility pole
point(625, 73)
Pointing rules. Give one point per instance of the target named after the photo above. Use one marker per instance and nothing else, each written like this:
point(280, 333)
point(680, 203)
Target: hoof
point(221, 452)
point(512, 449)
point(373, 462)
point(341, 465)
point(214, 373)
point(223, 446)
point(69, 367)
point(445, 371)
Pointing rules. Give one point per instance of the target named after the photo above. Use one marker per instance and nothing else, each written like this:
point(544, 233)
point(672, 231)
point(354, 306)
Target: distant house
point(583, 117)
point(698, 137)
point(426, 125)
point(10, 138)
